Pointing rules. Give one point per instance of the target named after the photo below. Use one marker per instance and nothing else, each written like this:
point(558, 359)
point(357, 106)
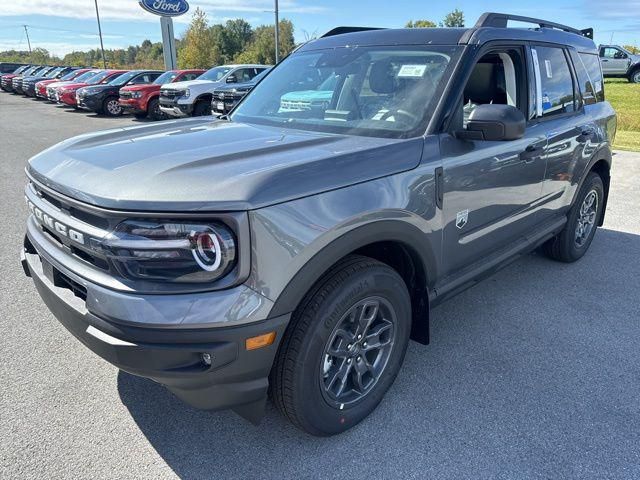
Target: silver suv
point(619, 62)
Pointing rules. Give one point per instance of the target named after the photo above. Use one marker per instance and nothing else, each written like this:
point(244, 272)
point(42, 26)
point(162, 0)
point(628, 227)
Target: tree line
point(204, 45)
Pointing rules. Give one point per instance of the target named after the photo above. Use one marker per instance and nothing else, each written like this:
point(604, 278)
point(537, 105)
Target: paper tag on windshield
point(547, 67)
point(412, 70)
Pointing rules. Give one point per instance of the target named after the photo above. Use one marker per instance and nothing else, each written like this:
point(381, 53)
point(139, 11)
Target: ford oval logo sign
point(165, 8)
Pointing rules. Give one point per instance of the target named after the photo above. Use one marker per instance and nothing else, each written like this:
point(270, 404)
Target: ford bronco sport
point(296, 250)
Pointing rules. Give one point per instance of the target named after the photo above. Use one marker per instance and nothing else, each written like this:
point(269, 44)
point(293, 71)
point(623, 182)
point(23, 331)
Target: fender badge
point(462, 218)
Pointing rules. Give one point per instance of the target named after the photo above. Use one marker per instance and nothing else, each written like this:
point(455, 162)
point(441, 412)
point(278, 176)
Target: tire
point(111, 107)
point(301, 378)
point(571, 243)
point(634, 76)
point(153, 109)
point(202, 108)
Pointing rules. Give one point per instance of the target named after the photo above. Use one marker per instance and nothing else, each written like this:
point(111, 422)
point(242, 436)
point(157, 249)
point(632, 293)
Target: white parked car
point(193, 98)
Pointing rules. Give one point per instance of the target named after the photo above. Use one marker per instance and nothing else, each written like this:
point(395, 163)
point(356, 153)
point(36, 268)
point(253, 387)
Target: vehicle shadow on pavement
point(532, 372)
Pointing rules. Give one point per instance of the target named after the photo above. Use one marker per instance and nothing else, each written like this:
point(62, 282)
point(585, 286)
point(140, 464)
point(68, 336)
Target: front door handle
point(531, 152)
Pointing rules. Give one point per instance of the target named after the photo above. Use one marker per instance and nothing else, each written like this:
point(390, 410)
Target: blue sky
point(64, 25)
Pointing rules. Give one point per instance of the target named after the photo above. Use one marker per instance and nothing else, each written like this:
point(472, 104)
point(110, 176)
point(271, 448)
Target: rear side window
point(591, 64)
point(556, 82)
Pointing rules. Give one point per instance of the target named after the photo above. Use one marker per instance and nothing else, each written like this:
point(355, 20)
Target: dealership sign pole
point(167, 9)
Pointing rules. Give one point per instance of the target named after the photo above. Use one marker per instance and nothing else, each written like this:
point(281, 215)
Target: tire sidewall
point(152, 106)
point(377, 281)
point(593, 182)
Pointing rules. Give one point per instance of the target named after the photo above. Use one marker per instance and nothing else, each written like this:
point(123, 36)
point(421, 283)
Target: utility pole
point(277, 28)
point(104, 62)
point(28, 41)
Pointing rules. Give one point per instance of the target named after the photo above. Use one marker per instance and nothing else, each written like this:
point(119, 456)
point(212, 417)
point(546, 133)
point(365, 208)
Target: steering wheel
point(409, 118)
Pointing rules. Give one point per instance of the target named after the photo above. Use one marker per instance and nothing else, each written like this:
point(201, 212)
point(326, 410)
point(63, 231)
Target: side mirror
point(231, 79)
point(494, 122)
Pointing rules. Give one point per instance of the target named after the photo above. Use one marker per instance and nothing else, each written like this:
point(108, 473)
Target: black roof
point(489, 27)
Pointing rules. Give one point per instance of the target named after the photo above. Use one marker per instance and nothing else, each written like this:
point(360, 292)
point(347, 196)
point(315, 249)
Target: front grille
point(90, 225)
point(126, 95)
point(169, 93)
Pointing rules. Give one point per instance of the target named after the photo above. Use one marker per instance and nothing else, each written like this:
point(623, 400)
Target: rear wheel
point(574, 240)
point(111, 107)
point(343, 348)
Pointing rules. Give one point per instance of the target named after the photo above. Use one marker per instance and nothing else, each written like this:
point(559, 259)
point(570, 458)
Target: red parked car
point(67, 93)
point(142, 100)
point(41, 86)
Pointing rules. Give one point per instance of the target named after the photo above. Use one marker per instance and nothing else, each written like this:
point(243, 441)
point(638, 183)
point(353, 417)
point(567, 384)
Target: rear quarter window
point(591, 64)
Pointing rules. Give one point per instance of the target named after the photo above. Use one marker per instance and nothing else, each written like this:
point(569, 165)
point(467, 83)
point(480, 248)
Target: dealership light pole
point(277, 28)
point(28, 41)
point(104, 62)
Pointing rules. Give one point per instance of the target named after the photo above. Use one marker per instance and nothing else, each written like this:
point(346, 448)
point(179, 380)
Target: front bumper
point(68, 98)
point(172, 355)
point(174, 108)
point(89, 102)
point(132, 105)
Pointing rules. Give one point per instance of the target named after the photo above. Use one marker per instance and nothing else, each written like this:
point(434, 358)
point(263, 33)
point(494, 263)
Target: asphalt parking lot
point(534, 373)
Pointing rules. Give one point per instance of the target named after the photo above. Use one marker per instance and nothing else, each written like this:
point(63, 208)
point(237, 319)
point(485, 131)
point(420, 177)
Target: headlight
point(136, 95)
point(186, 93)
point(174, 251)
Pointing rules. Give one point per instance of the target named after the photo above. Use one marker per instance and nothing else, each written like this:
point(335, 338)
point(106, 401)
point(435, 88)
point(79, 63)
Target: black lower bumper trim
point(208, 368)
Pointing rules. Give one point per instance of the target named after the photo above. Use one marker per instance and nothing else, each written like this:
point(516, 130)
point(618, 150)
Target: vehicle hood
point(187, 84)
point(57, 84)
point(149, 87)
point(74, 86)
point(100, 88)
point(203, 164)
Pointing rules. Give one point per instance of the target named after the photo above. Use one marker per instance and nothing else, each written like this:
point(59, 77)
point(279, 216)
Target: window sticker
point(537, 74)
point(411, 71)
point(547, 66)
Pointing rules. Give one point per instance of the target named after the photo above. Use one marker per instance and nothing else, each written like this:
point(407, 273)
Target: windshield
point(99, 77)
point(86, 76)
point(69, 76)
point(54, 72)
point(375, 91)
point(215, 74)
point(124, 78)
point(166, 77)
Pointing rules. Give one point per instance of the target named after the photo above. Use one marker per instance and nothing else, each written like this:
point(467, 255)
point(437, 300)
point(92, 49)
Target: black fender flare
point(399, 231)
point(602, 154)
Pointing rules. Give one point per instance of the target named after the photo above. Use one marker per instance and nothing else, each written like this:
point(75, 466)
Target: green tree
point(197, 44)
point(420, 24)
point(632, 48)
point(453, 19)
point(262, 46)
point(236, 35)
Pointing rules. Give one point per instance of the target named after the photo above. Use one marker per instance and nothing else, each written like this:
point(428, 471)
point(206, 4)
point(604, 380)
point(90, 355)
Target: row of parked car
point(152, 94)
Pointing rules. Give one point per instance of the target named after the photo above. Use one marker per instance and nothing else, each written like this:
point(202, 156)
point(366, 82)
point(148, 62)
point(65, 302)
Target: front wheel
point(111, 107)
point(574, 240)
point(202, 108)
point(154, 110)
point(343, 348)
point(635, 76)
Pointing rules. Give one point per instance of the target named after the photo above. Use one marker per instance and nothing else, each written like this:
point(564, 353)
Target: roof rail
point(341, 30)
point(500, 20)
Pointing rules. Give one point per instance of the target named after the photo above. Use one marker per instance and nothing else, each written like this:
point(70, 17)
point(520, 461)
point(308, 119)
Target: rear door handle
point(586, 133)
